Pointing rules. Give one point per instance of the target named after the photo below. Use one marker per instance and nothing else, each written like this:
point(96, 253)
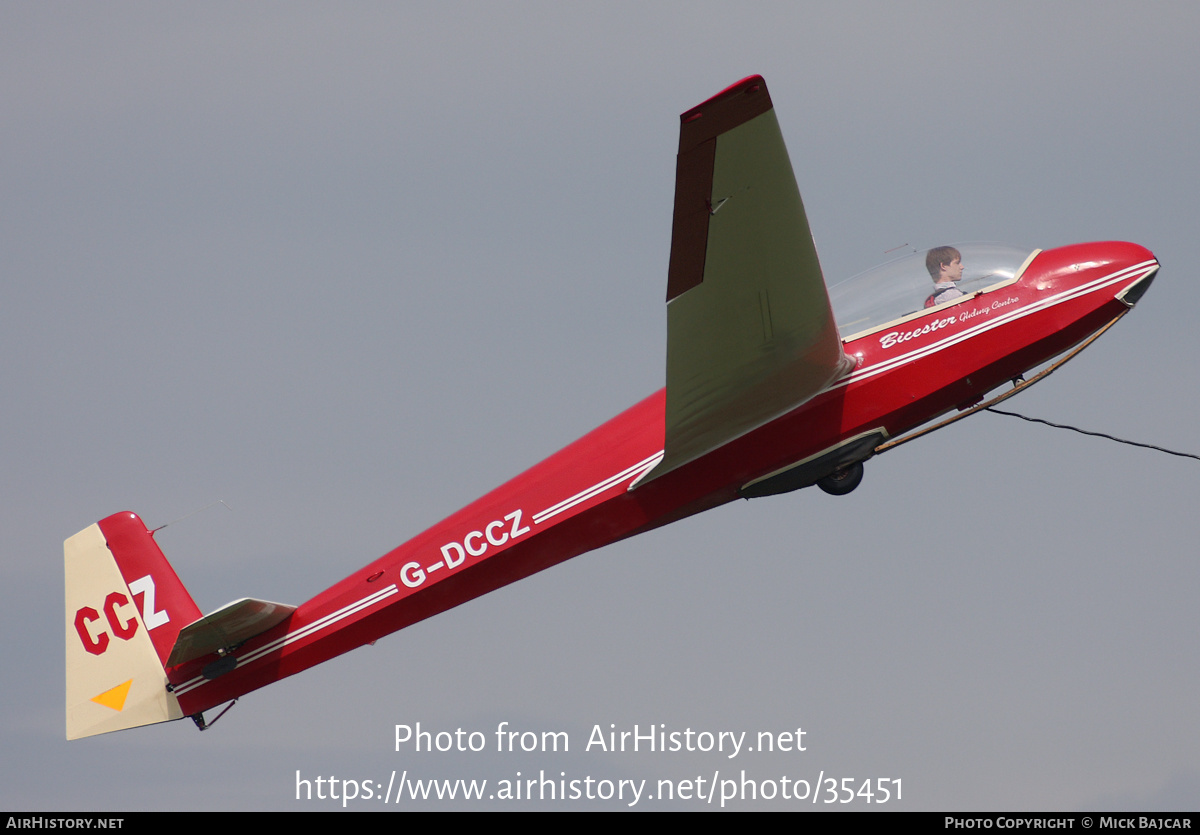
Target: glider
point(773, 383)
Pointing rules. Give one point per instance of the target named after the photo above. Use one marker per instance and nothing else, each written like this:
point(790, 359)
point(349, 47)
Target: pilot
point(945, 268)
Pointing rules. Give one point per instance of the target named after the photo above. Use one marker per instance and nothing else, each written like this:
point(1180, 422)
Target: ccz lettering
point(145, 587)
point(118, 613)
point(494, 534)
point(896, 337)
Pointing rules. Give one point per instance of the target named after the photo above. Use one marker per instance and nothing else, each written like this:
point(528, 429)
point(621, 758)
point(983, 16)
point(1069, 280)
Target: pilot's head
point(944, 264)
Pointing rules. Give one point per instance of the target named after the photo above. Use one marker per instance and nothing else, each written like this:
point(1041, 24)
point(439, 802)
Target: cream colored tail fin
point(125, 608)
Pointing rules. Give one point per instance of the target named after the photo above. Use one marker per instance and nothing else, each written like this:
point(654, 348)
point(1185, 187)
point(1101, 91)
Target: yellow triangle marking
point(114, 698)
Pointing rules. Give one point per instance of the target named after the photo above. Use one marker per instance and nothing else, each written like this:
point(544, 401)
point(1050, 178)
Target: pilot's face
point(952, 271)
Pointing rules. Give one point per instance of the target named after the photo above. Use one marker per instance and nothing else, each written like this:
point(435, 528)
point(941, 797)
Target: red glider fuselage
point(765, 394)
point(905, 374)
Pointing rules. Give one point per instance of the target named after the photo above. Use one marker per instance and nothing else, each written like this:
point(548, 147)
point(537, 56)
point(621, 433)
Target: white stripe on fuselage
point(994, 322)
point(636, 471)
point(628, 474)
point(291, 637)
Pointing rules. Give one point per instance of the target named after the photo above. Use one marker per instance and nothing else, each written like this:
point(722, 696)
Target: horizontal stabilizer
point(232, 624)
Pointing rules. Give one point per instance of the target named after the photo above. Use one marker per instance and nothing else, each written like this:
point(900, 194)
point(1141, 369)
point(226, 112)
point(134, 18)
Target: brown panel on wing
point(698, 130)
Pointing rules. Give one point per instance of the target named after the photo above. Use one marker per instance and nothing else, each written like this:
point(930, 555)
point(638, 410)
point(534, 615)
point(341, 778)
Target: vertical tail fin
point(125, 607)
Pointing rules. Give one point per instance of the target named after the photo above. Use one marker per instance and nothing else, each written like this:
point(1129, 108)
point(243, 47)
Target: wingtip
point(749, 84)
point(737, 103)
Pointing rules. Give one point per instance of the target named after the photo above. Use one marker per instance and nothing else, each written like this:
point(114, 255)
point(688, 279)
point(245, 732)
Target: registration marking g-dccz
point(495, 534)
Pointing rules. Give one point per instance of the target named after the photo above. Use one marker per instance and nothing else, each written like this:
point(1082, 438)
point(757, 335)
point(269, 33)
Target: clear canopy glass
point(904, 286)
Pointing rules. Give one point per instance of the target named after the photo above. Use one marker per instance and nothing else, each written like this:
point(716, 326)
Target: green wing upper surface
point(750, 331)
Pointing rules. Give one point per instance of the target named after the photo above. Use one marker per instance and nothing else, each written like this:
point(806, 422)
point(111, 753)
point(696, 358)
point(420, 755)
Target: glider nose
point(1145, 267)
point(1103, 269)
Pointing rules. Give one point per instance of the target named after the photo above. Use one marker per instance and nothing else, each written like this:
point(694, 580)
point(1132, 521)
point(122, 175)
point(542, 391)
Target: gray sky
point(349, 268)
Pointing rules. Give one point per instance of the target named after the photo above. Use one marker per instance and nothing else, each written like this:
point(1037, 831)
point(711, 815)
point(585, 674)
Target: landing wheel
point(843, 481)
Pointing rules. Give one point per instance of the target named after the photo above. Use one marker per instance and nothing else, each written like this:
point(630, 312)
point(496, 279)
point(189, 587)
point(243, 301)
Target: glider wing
point(750, 331)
